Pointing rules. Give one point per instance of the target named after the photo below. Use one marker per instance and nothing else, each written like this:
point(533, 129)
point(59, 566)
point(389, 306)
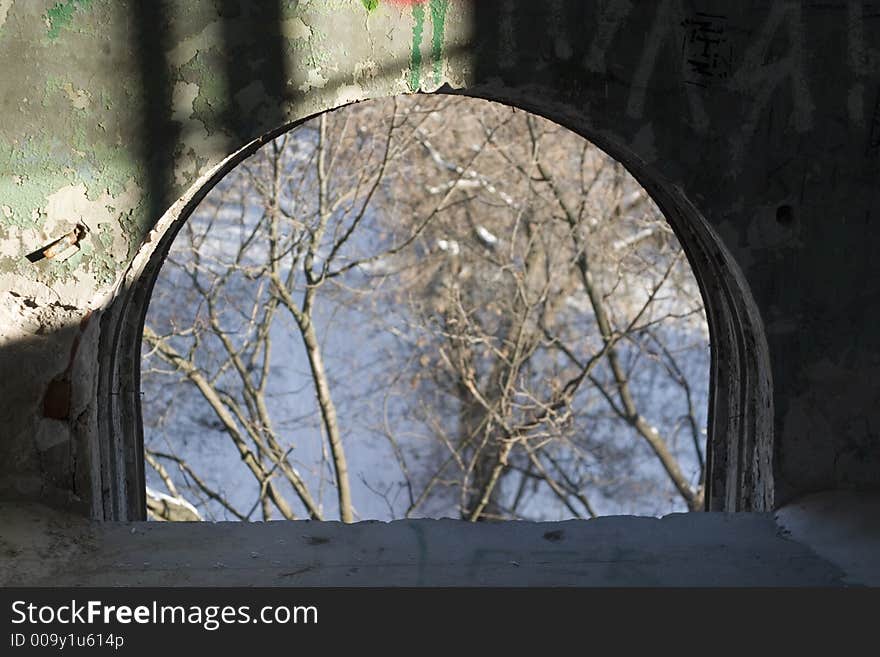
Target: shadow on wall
point(251, 58)
point(49, 412)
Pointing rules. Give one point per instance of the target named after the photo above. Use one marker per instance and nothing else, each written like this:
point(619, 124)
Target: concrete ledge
point(842, 527)
point(42, 547)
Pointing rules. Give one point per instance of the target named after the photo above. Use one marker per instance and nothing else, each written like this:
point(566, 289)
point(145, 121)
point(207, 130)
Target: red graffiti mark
point(407, 3)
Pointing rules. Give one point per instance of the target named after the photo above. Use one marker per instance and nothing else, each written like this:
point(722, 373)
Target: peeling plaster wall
point(764, 115)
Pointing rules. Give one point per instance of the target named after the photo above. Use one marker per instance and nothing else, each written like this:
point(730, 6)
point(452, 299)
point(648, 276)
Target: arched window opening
point(425, 306)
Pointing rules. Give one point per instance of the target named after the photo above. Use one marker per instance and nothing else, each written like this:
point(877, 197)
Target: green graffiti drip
point(370, 4)
point(438, 20)
point(60, 14)
point(415, 64)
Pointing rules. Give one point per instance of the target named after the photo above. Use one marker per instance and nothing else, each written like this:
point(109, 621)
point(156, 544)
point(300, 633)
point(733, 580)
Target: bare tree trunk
point(210, 395)
point(328, 415)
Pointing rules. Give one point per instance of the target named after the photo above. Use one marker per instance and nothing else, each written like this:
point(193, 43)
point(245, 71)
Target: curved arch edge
point(740, 446)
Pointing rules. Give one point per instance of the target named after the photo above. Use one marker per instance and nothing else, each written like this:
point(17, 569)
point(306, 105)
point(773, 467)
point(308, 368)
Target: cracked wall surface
point(764, 116)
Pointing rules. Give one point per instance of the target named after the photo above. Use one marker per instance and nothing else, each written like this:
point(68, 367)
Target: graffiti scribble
point(706, 50)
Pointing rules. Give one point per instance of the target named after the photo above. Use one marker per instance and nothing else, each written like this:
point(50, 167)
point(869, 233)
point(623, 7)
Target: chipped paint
point(349, 93)
point(196, 139)
point(103, 249)
point(79, 98)
point(182, 99)
point(61, 14)
point(4, 10)
point(187, 49)
point(294, 28)
point(366, 70)
point(314, 80)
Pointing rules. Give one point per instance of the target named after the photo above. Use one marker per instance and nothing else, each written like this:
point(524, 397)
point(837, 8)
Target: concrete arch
point(740, 418)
